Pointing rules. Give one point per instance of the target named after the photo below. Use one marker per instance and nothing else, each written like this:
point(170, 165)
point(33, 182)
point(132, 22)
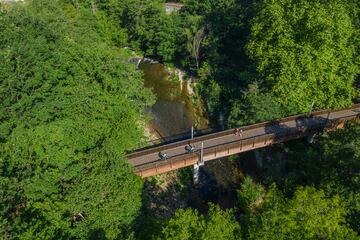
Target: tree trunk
point(93, 7)
point(199, 36)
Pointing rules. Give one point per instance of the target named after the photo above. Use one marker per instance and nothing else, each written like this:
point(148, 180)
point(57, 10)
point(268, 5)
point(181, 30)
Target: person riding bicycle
point(238, 132)
point(163, 156)
point(189, 148)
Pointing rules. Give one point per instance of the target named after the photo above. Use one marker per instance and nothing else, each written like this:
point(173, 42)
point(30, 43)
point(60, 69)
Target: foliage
point(308, 215)
point(250, 195)
point(296, 53)
point(293, 48)
point(188, 224)
point(147, 25)
point(253, 107)
point(332, 163)
point(340, 164)
point(212, 93)
point(341, 156)
point(69, 107)
point(194, 34)
point(304, 51)
point(147, 226)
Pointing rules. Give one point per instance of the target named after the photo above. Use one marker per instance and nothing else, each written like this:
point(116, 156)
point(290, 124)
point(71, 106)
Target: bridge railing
point(205, 134)
point(254, 141)
point(241, 144)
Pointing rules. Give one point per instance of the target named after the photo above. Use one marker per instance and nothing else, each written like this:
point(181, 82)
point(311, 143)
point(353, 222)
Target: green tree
point(250, 194)
point(308, 215)
point(70, 105)
point(147, 25)
point(304, 51)
point(254, 106)
point(210, 89)
point(188, 224)
point(332, 163)
point(340, 169)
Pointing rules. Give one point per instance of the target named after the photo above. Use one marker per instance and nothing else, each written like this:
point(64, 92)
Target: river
point(174, 113)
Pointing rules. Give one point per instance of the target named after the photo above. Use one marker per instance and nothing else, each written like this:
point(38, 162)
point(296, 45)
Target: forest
point(72, 106)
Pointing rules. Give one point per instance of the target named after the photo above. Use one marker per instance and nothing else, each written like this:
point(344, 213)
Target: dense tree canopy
point(142, 25)
point(304, 51)
point(295, 53)
point(308, 215)
point(188, 224)
point(290, 50)
point(338, 169)
point(331, 164)
point(70, 106)
point(255, 106)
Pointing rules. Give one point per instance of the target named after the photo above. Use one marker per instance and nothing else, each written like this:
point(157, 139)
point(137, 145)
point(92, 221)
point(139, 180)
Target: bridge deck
point(225, 143)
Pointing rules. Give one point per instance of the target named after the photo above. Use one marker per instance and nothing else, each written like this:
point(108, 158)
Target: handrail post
point(202, 154)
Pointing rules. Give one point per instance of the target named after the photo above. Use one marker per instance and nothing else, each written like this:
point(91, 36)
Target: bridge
point(215, 145)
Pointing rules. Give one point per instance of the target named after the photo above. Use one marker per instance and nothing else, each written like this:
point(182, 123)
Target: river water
point(174, 113)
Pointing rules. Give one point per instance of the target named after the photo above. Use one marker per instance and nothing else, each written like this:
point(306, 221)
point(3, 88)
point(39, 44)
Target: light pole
point(192, 132)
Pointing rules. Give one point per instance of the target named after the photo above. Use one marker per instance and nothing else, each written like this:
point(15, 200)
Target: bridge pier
point(196, 173)
point(310, 138)
point(198, 165)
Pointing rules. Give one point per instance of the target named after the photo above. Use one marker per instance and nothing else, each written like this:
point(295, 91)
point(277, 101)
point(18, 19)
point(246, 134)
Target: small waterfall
point(137, 61)
point(149, 60)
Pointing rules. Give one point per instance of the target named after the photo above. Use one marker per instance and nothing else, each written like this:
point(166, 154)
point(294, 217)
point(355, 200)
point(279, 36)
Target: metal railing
point(206, 134)
point(286, 134)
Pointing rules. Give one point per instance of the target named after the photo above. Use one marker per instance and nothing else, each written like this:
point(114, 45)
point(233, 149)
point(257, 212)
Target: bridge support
point(198, 165)
point(310, 138)
point(196, 173)
point(258, 158)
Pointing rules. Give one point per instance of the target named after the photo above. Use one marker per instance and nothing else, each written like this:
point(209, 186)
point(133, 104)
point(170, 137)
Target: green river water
point(174, 113)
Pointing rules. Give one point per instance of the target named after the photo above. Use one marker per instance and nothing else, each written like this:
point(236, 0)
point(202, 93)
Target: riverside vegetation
point(71, 105)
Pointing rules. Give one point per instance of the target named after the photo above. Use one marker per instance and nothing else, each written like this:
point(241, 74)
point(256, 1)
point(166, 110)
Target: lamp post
point(192, 132)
